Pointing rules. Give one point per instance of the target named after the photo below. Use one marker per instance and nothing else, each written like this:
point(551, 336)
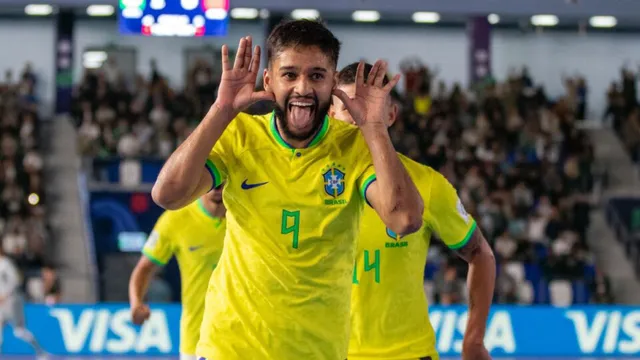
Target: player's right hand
point(237, 84)
point(140, 313)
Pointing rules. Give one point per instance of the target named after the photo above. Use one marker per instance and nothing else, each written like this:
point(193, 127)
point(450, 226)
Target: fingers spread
point(225, 58)
point(255, 60)
point(239, 63)
point(382, 72)
point(248, 52)
point(392, 83)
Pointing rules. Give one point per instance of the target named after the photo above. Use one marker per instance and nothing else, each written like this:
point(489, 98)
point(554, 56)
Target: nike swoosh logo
point(194, 248)
point(246, 186)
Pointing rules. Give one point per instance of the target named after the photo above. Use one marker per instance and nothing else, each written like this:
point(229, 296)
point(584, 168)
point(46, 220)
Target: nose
point(303, 87)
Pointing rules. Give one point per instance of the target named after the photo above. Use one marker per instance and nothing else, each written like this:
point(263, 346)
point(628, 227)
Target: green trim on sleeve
point(215, 174)
point(466, 238)
point(365, 186)
point(153, 259)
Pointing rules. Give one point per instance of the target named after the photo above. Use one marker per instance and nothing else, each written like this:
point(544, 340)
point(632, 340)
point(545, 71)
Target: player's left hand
point(368, 105)
point(474, 350)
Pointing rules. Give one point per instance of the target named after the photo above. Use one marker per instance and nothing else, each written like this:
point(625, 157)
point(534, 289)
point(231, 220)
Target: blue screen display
point(173, 17)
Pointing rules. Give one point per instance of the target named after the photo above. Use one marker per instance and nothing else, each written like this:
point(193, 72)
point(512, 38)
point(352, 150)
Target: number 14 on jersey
point(368, 266)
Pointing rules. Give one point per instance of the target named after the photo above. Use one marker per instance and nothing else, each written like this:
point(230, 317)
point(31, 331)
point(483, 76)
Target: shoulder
point(344, 134)
point(421, 174)
point(246, 128)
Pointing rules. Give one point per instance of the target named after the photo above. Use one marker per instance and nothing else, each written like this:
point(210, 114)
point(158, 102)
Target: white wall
point(548, 55)
point(30, 41)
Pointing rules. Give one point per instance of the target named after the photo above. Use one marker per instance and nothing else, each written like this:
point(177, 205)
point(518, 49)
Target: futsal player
point(12, 305)
point(296, 182)
point(389, 317)
point(194, 235)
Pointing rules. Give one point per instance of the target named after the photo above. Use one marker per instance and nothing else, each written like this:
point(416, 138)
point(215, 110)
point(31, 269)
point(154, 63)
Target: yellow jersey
point(389, 310)
point(195, 238)
point(282, 288)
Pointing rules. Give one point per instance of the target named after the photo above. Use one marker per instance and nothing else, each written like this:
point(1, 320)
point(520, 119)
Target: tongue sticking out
point(301, 116)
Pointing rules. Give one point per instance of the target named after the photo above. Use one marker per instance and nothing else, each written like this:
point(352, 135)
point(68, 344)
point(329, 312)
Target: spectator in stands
point(449, 287)
point(601, 289)
point(51, 285)
point(24, 233)
point(521, 166)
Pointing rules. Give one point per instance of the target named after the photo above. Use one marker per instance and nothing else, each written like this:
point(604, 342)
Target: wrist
point(374, 128)
point(222, 110)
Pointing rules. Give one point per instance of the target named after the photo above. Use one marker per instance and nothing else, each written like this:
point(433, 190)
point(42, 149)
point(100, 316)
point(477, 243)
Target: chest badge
point(334, 183)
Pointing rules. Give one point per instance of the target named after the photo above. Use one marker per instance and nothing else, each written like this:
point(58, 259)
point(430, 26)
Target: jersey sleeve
point(159, 248)
point(447, 216)
point(221, 156)
point(367, 175)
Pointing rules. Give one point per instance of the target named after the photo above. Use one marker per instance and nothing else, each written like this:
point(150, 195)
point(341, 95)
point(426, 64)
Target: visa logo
point(101, 330)
point(449, 327)
point(610, 331)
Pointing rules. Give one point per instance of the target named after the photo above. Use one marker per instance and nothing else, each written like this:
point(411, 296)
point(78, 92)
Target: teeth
point(295, 103)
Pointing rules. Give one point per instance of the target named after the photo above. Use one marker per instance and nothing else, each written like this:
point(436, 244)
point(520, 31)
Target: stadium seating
point(23, 225)
point(520, 167)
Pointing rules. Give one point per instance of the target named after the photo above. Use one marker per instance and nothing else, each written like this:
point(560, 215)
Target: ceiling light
point(305, 14)
point(244, 13)
point(38, 9)
point(544, 20)
point(264, 14)
point(425, 17)
point(365, 16)
point(493, 19)
point(603, 21)
point(100, 10)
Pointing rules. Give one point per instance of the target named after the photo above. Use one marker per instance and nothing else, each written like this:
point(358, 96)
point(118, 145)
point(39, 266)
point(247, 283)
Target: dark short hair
point(304, 33)
point(347, 75)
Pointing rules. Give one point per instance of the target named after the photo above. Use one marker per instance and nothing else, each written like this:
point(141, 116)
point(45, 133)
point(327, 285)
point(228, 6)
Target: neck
point(296, 143)
point(214, 209)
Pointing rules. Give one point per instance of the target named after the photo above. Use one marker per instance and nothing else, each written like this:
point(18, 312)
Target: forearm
point(179, 180)
point(481, 279)
point(399, 203)
point(481, 283)
point(139, 283)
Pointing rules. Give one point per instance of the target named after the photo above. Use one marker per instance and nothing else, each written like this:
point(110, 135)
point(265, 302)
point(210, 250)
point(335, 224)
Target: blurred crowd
point(147, 118)
point(520, 164)
point(23, 222)
point(623, 111)
point(521, 167)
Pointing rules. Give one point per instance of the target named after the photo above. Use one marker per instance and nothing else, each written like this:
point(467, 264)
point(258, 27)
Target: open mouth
point(301, 112)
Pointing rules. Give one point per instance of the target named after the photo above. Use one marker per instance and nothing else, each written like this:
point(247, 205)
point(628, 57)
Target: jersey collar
point(206, 212)
point(315, 141)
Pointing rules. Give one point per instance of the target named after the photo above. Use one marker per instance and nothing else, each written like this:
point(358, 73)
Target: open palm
point(368, 104)
point(237, 83)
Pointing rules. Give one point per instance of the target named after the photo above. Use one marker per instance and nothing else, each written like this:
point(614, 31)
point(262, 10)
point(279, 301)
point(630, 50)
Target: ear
point(393, 113)
point(266, 79)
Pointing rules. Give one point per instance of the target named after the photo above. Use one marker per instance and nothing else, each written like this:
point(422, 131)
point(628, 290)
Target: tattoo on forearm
point(472, 248)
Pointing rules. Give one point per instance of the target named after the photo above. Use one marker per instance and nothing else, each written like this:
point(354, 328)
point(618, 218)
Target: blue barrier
point(511, 330)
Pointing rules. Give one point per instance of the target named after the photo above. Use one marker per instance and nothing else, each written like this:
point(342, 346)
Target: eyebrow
point(292, 68)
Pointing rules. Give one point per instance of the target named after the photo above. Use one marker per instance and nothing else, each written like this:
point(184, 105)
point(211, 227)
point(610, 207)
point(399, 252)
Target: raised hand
point(237, 84)
point(368, 105)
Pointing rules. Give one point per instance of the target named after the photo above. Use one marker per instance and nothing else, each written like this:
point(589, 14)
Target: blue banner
point(511, 331)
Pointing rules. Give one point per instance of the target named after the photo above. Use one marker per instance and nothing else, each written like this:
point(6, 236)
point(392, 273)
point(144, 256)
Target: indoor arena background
point(93, 99)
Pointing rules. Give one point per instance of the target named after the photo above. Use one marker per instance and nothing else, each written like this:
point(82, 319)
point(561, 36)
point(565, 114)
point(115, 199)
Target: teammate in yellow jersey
point(296, 183)
point(389, 317)
point(194, 235)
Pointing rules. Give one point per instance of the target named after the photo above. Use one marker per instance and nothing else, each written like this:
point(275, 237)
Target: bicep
point(146, 265)
point(475, 246)
point(206, 183)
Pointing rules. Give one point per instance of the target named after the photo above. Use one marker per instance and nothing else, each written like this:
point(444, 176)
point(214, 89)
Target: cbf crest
point(393, 235)
point(396, 243)
point(334, 176)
